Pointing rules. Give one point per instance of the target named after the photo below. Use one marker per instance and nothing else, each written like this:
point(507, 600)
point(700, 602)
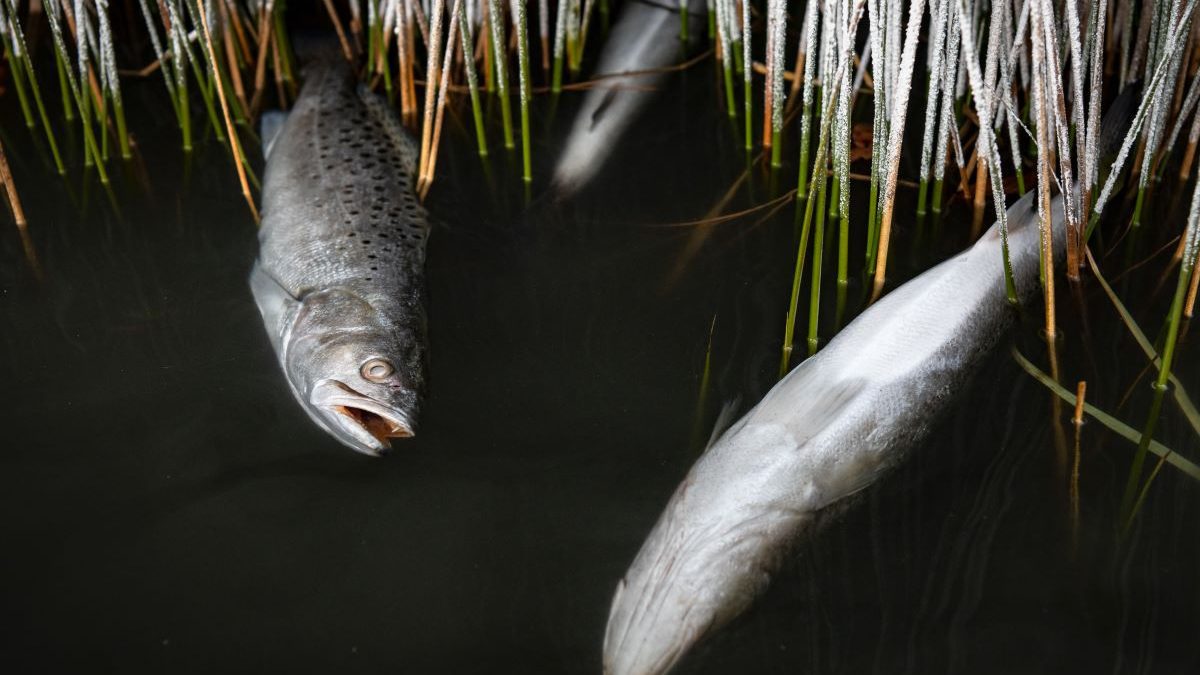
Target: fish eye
point(377, 370)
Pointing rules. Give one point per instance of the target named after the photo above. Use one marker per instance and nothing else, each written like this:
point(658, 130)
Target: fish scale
point(340, 275)
point(339, 205)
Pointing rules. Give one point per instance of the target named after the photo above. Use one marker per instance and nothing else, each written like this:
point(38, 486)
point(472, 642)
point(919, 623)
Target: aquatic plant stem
point(747, 93)
point(814, 298)
point(895, 138)
point(23, 68)
point(10, 191)
point(496, 26)
point(523, 87)
point(18, 80)
point(1168, 353)
point(801, 250)
point(68, 109)
point(1117, 426)
point(347, 51)
point(442, 92)
point(235, 143)
point(1179, 392)
point(433, 72)
point(472, 77)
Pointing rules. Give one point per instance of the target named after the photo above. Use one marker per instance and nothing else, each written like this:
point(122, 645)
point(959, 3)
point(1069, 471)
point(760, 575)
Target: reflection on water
point(169, 507)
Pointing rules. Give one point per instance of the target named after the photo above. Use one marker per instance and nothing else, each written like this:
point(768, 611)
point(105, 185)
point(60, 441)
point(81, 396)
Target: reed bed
point(1012, 89)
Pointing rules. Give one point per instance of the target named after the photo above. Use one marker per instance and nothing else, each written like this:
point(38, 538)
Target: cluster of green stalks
point(218, 49)
point(1012, 88)
point(471, 42)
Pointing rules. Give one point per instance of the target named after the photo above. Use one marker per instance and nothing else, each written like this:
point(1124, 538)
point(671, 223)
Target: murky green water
point(169, 508)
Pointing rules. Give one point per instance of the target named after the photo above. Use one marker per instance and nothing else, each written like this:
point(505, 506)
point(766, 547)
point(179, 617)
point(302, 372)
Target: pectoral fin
point(276, 304)
point(269, 128)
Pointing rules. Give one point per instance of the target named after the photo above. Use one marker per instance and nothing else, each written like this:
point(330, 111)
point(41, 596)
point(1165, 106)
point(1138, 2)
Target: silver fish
point(644, 38)
point(830, 428)
point(340, 274)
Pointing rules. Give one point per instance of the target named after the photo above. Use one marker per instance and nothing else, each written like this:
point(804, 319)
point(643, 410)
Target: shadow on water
point(168, 506)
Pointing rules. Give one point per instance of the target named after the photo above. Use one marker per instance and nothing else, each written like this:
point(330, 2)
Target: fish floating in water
point(827, 430)
point(645, 38)
point(340, 275)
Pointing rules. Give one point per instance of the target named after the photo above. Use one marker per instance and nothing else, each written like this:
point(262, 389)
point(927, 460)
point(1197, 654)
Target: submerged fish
point(645, 38)
point(830, 428)
point(340, 274)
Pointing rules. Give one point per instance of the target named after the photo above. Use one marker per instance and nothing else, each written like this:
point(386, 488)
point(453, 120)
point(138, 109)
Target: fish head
point(712, 552)
point(357, 374)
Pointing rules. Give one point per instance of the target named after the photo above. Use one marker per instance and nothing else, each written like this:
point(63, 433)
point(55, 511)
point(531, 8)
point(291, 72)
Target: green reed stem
point(747, 107)
point(523, 85)
point(468, 45)
point(818, 170)
point(18, 79)
point(936, 206)
point(42, 115)
point(556, 77)
point(1181, 396)
point(64, 89)
point(496, 26)
point(729, 104)
point(921, 190)
point(843, 273)
point(102, 117)
point(1117, 426)
point(814, 297)
point(705, 386)
point(204, 84)
point(185, 111)
point(797, 275)
point(1137, 505)
point(1160, 383)
point(122, 134)
point(805, 141)
point(833, 196)
point(873, 221)
point(1137, 207)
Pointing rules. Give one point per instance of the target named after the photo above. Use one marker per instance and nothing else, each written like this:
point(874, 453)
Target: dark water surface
point(168, 507)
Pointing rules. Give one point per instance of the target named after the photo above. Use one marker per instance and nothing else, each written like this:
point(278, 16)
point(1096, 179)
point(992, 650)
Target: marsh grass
point(1009, 88)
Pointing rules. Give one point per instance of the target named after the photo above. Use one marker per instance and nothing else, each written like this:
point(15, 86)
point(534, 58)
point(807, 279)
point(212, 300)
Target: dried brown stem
point(347, 50)
point(235, 144)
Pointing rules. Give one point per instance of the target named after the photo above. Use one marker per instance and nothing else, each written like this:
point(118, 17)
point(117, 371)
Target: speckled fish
point(827, 430)
point(340, 274)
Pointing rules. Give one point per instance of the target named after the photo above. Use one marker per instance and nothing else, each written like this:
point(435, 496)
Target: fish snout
point(659, 611)
point(359, 421)
point(649, 630)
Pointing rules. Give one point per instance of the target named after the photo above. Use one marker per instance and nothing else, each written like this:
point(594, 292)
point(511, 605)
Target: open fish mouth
point(359, 421)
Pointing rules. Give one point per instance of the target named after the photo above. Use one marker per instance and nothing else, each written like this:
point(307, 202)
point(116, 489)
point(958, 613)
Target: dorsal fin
point(724, 420)
point(269, 128)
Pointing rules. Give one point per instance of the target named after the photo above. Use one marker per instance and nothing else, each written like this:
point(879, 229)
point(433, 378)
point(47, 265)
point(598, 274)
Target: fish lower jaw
point(380, 428)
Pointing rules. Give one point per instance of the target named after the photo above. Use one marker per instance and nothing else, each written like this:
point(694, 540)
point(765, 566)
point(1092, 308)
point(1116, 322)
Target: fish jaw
point(360, 422)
